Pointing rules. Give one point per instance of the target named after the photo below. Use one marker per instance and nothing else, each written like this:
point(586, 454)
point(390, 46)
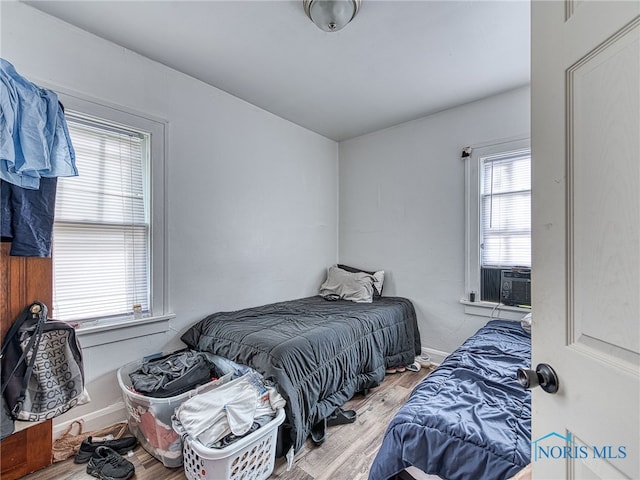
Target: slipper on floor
point(395, 369)
point(424, 360)
point(319, 432)
point(414, 367)
point(340, 417)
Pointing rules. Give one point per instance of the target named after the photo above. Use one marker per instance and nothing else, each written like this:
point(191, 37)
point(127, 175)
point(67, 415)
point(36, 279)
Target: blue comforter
point(469, 419)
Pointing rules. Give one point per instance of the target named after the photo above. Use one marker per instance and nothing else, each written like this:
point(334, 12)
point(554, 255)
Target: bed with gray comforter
point(318, 352)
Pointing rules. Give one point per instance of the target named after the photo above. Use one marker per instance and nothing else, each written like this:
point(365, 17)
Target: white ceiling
point(396, 61)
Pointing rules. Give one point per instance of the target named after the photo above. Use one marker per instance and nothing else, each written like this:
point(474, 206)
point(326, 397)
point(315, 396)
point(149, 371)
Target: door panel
point(586, 237)
point(603, 202)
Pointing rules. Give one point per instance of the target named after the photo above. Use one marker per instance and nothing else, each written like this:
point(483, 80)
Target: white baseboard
point(437, 356)
point(97, 420)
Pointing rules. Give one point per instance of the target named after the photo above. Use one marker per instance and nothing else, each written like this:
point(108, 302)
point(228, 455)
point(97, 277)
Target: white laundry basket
point(249, 458)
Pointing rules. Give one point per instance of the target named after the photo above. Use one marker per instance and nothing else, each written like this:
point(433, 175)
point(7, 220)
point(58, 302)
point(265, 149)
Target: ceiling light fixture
point(331, 15)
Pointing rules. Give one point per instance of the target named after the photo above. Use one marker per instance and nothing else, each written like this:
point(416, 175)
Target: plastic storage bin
point(149, 418)
point(249, 458)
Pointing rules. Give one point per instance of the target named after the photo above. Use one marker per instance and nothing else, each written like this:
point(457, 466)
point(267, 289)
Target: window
point(107, 252)
point(505, 210)
point(498, 216)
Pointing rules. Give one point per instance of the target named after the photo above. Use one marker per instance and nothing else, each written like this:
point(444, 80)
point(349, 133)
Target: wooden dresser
point(23, 280)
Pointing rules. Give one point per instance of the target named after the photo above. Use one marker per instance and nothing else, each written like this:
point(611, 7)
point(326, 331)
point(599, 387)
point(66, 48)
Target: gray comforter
point(318, 352)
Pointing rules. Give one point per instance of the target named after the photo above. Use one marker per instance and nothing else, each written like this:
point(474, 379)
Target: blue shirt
point(34, 139)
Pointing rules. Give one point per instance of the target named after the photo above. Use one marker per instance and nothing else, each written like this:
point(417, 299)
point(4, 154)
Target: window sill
point(494, 310)
point(103, 331)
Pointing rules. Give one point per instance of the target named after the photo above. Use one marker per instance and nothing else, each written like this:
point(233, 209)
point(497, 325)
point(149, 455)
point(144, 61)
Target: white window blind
point(101, 230)
point(505, 210)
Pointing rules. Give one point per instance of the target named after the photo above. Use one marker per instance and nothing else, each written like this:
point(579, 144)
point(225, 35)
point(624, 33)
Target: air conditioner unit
point(515, 287)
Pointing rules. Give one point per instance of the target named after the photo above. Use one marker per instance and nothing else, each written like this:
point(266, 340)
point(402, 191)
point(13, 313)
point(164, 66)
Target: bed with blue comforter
point(470, 419)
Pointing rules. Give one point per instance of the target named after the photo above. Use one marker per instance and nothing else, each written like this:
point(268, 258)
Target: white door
point(586, 240)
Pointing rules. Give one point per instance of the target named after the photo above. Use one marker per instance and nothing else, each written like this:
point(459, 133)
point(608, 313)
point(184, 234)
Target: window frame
point(472, 226)
point(156, 128)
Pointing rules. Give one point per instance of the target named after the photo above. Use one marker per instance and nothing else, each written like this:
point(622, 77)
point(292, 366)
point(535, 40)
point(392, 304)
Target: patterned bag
point(6, 421)
point(42, 370)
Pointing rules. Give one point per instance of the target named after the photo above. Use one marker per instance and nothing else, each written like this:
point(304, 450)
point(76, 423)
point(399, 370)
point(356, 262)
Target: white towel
point(212, 415)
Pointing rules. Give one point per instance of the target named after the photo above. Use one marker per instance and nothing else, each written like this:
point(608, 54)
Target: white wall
point(251, 198)
point(402, 202)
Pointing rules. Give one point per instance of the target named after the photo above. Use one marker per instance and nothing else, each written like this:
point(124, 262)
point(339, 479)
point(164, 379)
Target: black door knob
point(544, 375)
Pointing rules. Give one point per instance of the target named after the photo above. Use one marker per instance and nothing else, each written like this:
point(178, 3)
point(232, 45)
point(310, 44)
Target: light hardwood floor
point(346, 454)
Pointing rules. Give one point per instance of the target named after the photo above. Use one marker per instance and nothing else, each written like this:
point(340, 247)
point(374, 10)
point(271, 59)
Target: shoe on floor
point(88, 447)
point(395, 369)
point(424, 360)
point(414, 367)
point(319, 432)
point(340, 417)
point(107, 464)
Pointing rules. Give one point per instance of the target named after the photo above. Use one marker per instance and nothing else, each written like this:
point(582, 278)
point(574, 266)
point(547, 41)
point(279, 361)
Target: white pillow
point(357, 287)
point(378, 276)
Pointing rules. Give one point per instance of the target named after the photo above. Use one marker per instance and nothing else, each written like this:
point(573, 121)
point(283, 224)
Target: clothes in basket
point(233, 409)
point(160, 436)
point(173, 374)
point(251, 457)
